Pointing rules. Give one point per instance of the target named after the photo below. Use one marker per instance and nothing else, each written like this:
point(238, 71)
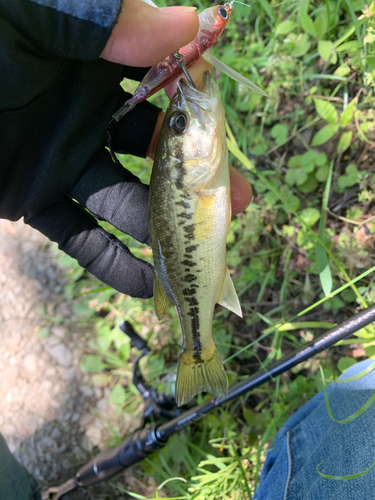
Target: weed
point(301, 255)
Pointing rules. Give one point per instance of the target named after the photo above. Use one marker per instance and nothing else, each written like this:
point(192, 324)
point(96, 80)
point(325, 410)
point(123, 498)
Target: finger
point(196, 70)
point(240, 191)
point(144, 35)
point(111, 193)
point(79, 235)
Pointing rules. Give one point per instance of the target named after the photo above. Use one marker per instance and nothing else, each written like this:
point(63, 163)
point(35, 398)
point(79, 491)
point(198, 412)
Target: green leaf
point(322, 173)
point(343, 478)
point(345, 141)
point(295, 176)
point(285, 27)
point(295, 161)
point(309, 185)
point(43, 333)
point(347, 115)
point(310, 216)
point(352, 46)
point(280, 133)
point(308, 163)
point(302, 46)
point(324, 134)
point(350, 179)
point(321, 24)
point(345, 362)
point(325, 275)
point(324, 269)
point(117, 395)
point(307, 24)
point(320, 159)
point(326, 110)
point(92, 363)
point(342, 70)
point(326, 50)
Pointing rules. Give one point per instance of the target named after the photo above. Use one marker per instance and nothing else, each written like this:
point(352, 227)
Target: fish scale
point(189, 219)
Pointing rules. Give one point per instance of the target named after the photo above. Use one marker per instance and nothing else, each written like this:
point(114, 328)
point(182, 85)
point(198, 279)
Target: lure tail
point(200, 373)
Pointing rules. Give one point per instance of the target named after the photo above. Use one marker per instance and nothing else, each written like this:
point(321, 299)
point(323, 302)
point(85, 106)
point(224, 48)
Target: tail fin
point(198, 373)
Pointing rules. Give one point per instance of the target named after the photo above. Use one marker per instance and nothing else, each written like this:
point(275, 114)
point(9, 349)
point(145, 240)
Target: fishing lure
point(212, 22)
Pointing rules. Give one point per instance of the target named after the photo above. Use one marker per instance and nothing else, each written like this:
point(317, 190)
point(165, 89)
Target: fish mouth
point(206, 98)
point(206, 87)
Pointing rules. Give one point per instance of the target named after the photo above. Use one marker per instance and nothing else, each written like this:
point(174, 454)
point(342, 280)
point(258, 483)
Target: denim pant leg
point(15, 482)
point(310, 437)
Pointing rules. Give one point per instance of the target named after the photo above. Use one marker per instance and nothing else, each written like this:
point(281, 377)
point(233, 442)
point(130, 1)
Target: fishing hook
point(180, 60)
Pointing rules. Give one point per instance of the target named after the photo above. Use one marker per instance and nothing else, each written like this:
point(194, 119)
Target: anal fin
point(228, 297)
point(162, 303)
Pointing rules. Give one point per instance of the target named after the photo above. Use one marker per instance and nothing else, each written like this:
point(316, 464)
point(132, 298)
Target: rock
point(56, 433)
point(87, 391)
point(58, 331)
point(30, 363)
point(94, 432)
point(48, 442)
point(85, 420)
point(8, 429)
point(58, 351)
point(102, 405)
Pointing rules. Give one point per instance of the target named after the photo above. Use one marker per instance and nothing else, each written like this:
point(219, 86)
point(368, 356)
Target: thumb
point(144, 35)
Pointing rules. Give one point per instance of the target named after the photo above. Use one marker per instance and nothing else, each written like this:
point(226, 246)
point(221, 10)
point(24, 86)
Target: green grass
point(301, 254)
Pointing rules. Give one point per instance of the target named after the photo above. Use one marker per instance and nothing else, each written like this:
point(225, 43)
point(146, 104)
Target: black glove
point(54, 113)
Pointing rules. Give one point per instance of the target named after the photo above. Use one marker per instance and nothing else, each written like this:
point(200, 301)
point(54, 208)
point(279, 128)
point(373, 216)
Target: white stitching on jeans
point(290, 465)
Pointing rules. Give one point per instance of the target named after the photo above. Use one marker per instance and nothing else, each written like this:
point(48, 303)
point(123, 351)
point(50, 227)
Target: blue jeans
point(310, 437)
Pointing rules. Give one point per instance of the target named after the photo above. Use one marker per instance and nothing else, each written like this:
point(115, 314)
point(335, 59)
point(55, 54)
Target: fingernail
point(177, 9)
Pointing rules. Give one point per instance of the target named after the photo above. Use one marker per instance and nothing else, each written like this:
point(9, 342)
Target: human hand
point(53, 159)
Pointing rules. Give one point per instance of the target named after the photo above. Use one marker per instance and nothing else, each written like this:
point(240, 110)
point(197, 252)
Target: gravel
point(49, 411)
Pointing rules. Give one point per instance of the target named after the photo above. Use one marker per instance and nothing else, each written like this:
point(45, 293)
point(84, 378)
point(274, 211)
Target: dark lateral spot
point(189, 231)
point(191, 248)
point(190, 291)
point(188, 263)
point(185, 215)
point(193, 312)
point(183, 203)
point(192, 301)
point(189, 277)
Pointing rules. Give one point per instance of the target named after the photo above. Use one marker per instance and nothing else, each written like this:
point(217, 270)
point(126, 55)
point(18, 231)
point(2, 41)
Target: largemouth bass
point(189, 219)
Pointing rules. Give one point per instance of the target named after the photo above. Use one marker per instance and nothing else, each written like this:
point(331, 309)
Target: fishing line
point(230, 4)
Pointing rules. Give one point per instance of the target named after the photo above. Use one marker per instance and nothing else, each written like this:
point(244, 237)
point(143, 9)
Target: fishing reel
point(157, 406)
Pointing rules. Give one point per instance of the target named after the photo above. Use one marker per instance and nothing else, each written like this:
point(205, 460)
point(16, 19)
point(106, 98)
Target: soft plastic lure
point(212, 23)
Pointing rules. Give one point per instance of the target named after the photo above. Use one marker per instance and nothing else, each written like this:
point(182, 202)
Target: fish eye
point(223, 13)
point(178, 123)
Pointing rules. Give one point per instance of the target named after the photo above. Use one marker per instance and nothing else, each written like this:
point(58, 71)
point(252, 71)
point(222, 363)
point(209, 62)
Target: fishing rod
point(146, 440)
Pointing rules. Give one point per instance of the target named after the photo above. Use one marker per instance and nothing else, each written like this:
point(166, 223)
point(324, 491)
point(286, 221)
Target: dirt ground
point(50, 413)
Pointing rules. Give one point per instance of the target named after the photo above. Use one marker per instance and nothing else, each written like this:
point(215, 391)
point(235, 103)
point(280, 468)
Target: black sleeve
point(75, 29)
point(54, 112)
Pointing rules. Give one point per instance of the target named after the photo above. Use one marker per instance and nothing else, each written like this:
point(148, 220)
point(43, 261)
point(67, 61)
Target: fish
point(212, 22)
point(189, 218)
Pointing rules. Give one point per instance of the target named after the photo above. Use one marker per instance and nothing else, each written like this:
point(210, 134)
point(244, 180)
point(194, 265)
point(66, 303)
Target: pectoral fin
point(162, 303)
point(228, 297)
